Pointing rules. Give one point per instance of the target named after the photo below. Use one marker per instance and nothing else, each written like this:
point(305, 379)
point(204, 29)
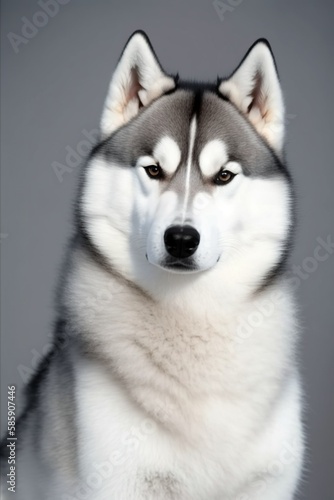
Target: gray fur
point(216, 118)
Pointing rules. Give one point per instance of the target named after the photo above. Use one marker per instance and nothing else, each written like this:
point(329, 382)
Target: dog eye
point(224, 177)
point(154, 171)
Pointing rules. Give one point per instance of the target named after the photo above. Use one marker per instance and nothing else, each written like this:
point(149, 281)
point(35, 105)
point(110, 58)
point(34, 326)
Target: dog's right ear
point(136, 82)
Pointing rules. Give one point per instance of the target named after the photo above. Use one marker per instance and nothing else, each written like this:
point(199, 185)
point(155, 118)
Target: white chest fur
point(169, 390)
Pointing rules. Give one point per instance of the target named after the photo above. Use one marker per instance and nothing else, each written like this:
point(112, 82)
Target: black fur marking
point(279, 270)
point(197, 103)
point(196, 86)
point(161, 485)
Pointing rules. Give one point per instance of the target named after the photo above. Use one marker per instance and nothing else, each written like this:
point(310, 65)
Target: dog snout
point(181, 241)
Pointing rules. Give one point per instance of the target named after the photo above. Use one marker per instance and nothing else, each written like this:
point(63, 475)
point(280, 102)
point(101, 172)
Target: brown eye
point(224, 177)
point(154, 171)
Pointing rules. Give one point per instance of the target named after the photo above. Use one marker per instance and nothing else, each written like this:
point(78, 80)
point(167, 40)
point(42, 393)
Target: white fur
point(167, 154)
point(123, 206)
point(192, 135)
point(188, 389)
point(213, 157)
point(193, 394)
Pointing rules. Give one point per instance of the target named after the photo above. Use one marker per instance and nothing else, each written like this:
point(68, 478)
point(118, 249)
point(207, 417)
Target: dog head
point(189, 178)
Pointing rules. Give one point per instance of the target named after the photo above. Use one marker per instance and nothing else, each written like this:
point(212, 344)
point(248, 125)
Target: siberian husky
point(174, 374)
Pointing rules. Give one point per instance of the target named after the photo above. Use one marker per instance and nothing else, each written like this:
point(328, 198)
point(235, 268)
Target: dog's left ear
point(255, 89)
point(136, 82)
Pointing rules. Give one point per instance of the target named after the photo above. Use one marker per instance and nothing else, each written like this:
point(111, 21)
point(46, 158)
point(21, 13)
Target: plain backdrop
point(52, 90)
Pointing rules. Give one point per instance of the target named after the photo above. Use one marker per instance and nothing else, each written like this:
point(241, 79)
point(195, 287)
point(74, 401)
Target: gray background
point(54, 87)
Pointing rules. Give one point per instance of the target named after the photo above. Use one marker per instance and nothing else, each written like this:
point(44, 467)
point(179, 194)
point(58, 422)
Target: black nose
point(181, 241)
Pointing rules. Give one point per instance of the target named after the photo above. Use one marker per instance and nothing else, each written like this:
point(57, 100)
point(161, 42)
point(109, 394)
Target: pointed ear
point(136, 82)
point(255, 89)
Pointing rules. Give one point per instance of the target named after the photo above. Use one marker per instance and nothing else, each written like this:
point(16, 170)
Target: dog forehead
point(166, 123)
point(164, 128)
